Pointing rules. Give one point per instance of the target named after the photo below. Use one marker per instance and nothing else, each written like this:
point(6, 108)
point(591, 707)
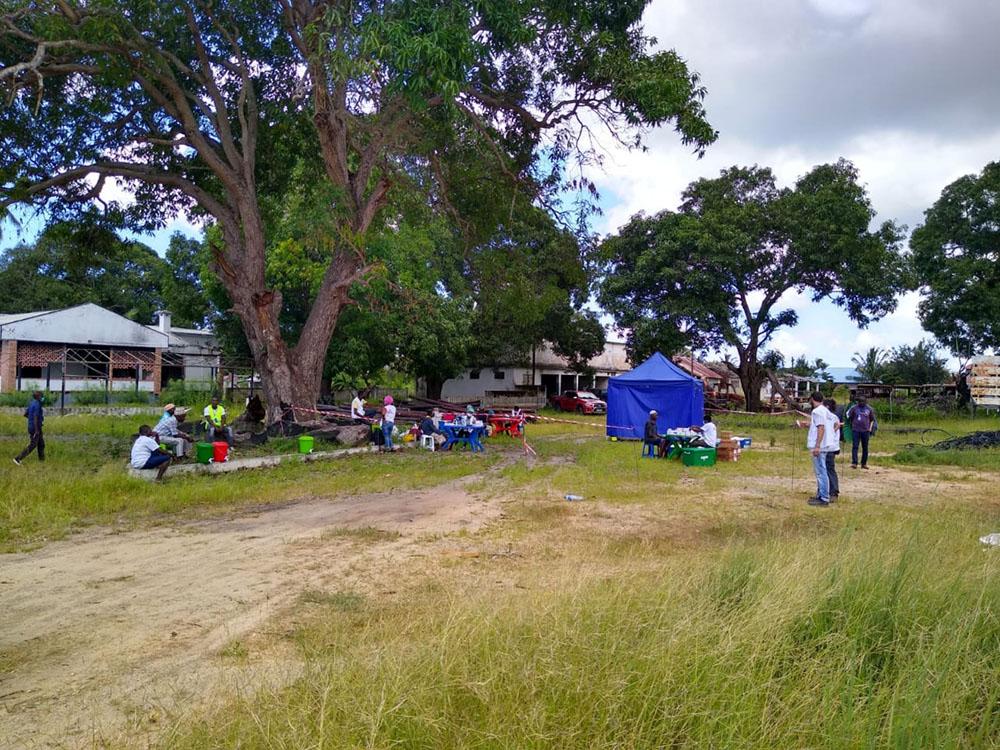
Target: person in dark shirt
point(864, 424)
point(650, 436)
point(35, 417)
point(428, 426)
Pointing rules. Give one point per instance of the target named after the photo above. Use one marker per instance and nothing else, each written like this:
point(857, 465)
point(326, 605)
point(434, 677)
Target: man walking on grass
point(35, 417)
point(818, 444)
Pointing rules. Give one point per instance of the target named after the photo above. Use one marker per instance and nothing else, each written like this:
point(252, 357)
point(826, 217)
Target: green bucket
point(306, 443)
point(203, 453)
point(698, 457)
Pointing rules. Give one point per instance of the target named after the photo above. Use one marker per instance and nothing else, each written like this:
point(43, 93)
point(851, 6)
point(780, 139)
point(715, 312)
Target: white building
point(546, 373)
point(87, 347)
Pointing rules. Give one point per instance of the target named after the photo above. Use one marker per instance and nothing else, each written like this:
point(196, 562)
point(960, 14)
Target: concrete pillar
point(8, 366)
point(157, 371)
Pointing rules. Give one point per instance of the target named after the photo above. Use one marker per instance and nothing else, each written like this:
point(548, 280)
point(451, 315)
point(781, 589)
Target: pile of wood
point(728, 448)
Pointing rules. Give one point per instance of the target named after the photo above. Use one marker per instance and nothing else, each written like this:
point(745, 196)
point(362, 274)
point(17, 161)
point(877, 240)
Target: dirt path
point(107, 631)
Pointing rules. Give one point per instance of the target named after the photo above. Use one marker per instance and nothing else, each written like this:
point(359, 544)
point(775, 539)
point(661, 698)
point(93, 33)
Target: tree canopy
point(956, 256)
point(713, 273)
point(915, 365)
point(75, 262)
point(208, 108)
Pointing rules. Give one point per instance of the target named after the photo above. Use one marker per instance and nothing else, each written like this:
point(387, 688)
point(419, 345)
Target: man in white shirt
point(147, 453)
point(358, 409)
point(709, 433)
point(818, 443)
point(832, 447)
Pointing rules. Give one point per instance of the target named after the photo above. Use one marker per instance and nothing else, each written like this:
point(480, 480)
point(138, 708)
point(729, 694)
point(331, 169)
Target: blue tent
point(657, 383)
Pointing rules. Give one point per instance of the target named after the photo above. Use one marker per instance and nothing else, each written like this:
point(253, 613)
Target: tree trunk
point(751, 377)
point(287, 380)
point(434, 385)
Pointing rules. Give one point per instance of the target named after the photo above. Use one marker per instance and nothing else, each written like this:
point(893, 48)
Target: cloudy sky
point(909, 90)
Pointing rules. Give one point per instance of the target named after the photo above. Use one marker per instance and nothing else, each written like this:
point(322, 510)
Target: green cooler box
point(698, 457)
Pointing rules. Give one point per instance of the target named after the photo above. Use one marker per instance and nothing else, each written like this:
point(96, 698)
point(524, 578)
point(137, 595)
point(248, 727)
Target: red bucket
point(220, 451)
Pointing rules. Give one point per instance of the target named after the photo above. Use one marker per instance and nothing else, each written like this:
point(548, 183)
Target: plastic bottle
point(573, 498)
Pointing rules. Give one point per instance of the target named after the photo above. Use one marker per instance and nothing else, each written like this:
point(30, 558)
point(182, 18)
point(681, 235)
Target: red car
point(582, 402)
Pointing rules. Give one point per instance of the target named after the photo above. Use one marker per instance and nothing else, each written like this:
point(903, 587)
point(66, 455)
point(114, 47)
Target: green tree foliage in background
point(713, 273)
point(956, 255)
point(804, 368)
point(916, 365)
point(872, 365)
point(84, 261)
point(205, 108)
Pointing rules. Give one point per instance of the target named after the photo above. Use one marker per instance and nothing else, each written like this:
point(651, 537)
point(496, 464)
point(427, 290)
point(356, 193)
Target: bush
point(187, 394)
point(21, 398)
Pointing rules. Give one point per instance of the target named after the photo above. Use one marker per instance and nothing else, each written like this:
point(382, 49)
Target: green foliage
point(76, 262)
point(872, 365)
point(954, 255)
point(225, 109)
point(804, 368)
point(713, 273)
point(21, 399)
point(916, 365)
point(100, 397)
point(187, 394)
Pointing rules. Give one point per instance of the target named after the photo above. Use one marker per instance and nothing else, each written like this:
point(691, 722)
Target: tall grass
point(886, 637)
point(84, 479)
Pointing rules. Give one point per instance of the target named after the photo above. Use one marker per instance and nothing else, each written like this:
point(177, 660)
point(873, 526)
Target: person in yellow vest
point(215, 421)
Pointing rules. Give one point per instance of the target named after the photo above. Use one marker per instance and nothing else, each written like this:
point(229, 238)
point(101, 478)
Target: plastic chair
point(649, 450)
point(427, 441)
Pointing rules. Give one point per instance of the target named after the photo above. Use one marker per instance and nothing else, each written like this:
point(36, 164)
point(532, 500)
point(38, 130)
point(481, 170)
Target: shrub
point(21, 398)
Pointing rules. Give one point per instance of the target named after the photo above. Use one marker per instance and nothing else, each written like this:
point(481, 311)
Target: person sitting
point(147, 453)
point(168, 433)
point(255, 411)
point(708, 435)
point(215, 422)
point(650, 436)
point(429, 427)
point(358, 409)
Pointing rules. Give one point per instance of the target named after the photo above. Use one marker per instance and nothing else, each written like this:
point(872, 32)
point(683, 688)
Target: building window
point(499, 375)
point(31, 372)
point(473, 374)
point(124, 373)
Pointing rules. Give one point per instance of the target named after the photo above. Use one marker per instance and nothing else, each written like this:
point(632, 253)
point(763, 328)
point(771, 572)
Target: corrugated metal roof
point(698, 369)
point(14, 317)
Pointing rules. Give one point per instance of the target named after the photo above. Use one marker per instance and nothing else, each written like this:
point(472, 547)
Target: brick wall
point(8, 366)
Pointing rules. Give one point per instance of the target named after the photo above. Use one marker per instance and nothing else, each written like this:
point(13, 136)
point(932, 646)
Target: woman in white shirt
point(388, 421)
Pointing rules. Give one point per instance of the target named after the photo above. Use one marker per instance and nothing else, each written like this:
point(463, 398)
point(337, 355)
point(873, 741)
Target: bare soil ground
point(108, 632)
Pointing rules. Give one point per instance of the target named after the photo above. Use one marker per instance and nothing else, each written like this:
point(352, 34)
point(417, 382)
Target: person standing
point(35, 416)
point(817, 442)
point(833, 447)
point(388, 421)
point(864, 424)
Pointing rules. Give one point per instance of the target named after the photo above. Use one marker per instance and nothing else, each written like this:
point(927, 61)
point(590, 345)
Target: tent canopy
point(658, 384)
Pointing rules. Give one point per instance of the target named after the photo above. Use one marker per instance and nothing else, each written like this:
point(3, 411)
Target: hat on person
point(168, 407)
point(652, 412)
point(181, 412)
point(387, 400)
